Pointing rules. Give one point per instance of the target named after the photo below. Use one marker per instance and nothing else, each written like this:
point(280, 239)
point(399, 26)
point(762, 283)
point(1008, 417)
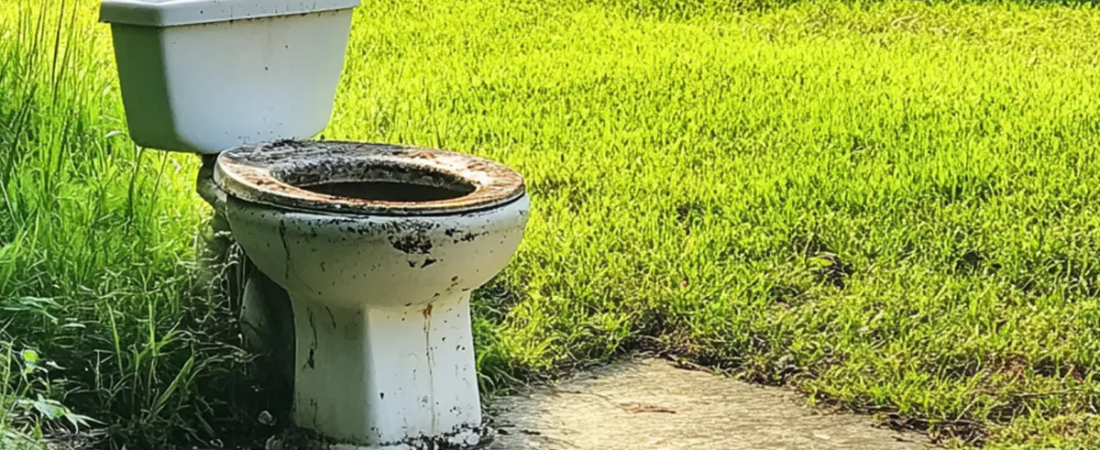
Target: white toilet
point(378, 246)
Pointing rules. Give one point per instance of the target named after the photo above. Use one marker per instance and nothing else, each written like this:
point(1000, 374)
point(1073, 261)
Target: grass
point(99, 270)
point(891, 205)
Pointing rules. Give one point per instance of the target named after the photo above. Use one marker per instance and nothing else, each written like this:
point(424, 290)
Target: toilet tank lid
point(168, 13)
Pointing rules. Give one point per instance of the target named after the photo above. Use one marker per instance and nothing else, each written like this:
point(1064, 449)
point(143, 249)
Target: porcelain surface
point(384, 352)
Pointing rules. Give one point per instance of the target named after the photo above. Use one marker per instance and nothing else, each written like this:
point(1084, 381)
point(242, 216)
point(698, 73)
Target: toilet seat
point(278, 174)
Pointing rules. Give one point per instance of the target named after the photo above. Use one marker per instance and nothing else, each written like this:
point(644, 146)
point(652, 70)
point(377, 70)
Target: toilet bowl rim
point(251, 173)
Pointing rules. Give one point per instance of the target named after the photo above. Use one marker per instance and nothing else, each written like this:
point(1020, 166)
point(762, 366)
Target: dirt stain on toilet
point(412, 244)
point(286, 247)
point(331, 317)
point(297, 174)
point(427, 312)
point(313, 346)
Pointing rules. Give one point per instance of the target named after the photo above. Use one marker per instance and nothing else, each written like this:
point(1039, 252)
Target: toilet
point(205, 76)
point(380, 248)
point(366, 254)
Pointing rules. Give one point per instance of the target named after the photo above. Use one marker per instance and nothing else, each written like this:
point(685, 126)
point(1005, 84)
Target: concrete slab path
point(651, 404)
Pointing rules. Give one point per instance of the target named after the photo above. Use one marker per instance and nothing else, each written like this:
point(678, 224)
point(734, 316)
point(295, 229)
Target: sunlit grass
point(891, 205)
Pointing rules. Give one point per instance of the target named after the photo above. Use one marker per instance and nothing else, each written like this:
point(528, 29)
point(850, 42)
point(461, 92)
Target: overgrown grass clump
point(99, 277)
point(890, 205)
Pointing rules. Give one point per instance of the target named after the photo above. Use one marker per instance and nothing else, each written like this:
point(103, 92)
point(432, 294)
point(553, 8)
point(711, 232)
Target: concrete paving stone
point(651, 404)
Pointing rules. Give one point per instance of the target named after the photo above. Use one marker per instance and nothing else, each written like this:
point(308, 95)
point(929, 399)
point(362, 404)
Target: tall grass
point(98, 263)
point(890, 205)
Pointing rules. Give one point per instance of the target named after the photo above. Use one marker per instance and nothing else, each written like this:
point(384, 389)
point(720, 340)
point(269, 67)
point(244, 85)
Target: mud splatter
point(413, 244)
point(313, 345)
point(286, 248)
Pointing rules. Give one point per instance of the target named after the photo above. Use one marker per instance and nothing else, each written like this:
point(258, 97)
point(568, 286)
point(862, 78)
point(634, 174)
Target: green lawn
point(892, 205)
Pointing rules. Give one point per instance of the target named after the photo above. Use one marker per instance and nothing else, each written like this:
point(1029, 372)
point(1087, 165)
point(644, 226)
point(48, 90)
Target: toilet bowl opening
point(390, 191)
point(381, 182)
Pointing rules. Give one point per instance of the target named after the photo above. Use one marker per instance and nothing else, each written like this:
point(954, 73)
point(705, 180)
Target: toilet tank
point(204, 76)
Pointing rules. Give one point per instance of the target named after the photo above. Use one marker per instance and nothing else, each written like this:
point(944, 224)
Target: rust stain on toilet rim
point(272, 173)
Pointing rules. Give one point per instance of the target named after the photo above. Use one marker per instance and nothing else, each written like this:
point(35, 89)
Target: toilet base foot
point(302, 439)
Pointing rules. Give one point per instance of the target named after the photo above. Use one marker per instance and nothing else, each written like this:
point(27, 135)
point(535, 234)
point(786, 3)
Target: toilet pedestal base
point(401, 378)
point(300, 439)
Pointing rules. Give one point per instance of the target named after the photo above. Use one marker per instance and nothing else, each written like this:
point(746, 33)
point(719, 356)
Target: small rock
point(266, 419)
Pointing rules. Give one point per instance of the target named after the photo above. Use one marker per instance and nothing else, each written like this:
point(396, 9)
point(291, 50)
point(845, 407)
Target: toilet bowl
point(379, 247)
